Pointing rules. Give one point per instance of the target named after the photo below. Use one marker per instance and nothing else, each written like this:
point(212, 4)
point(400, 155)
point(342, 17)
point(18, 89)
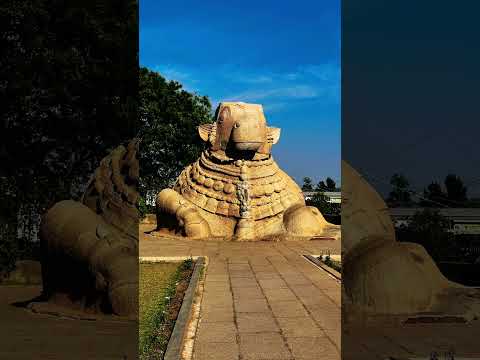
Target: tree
point(331, 186)
point(434, 195)
point(430, 229)
point(400, 194)
point(321, 186)
point(329, 210)
point(456, 191)
point(169, 137)
point(307, 184)
point(63, 110)
point(69, 95)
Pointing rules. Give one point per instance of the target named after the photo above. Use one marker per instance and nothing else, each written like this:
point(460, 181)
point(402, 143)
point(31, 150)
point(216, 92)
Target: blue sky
point(283, 55)
point(412, 91)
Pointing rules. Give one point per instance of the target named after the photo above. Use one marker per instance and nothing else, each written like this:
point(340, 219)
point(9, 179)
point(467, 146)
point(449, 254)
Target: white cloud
point(292, 76)
point(327, 72)
point(298, 92)
point(182, 76)
point(324, 72)
point(249, 78)
point(275, 90)
point(274, 107)
point(171, 73)
point(307, 81)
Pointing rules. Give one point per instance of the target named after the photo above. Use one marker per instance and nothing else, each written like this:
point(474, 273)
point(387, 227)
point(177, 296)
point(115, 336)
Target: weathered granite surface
point(90, 248)
point(235, 189)
point(384, 277)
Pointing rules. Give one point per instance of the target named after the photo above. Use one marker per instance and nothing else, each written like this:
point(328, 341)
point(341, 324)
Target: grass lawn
point(162, 286)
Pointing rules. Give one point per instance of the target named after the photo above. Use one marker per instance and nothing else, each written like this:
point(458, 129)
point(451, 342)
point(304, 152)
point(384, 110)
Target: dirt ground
point(26, 335)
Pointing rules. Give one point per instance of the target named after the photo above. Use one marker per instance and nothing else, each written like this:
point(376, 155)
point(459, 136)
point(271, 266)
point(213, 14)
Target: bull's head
point(240, 127)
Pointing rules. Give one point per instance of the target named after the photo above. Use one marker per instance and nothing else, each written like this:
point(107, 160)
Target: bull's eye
point(236, 125)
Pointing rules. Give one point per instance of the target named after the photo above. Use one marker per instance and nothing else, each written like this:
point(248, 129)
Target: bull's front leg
point(186, 216)
point(88, 260)
point(308, 221)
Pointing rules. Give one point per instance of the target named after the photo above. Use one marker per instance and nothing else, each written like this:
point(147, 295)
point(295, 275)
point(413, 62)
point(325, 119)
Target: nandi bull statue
point(90, 247)
point(382, 276)
point(235, 190)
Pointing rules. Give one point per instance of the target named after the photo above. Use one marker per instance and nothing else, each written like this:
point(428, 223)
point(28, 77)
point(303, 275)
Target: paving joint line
point(306, 309)
point(319, 289)
point(376, 354)
point(235, 321)
point(399, 345)
point(270, 307)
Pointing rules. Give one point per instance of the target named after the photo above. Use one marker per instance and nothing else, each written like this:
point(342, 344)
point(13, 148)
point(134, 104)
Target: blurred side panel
point(410, 181)
point(68, 179)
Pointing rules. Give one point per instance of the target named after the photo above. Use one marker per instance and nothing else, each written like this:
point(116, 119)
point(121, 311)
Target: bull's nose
point(248, 134)
point(248, 145)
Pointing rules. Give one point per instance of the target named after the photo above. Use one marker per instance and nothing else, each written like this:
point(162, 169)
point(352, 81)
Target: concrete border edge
point(328, 269)
point(176, 343)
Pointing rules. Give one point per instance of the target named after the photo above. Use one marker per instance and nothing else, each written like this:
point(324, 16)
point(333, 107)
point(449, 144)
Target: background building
point(333, 197)
point(464, 220)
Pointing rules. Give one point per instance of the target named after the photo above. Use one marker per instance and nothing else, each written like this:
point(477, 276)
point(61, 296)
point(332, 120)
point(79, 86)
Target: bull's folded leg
point(88, 260)
point(245, 230)
point(308, 221)
point(188, 218)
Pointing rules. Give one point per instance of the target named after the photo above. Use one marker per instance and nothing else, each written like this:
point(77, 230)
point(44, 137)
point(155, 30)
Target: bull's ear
point(273, 134)
point(204, 131)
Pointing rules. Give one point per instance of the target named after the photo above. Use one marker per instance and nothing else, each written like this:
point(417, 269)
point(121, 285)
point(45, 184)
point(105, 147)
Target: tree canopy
point(430, 229)
point(320, 201)
point(331, 185)
point(454, 195)
point(307, 184)
point(400, 194)
point(326, 185)
point(456, 191)
point(169, 118)
point(69, 90)
point(321, 186)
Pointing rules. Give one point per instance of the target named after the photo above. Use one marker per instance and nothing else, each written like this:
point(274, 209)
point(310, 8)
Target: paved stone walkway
point(262, 300)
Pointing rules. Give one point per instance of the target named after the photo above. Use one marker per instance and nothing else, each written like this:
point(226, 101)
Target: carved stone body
point(383, 276)
point(90, 248)
point(235, 189)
